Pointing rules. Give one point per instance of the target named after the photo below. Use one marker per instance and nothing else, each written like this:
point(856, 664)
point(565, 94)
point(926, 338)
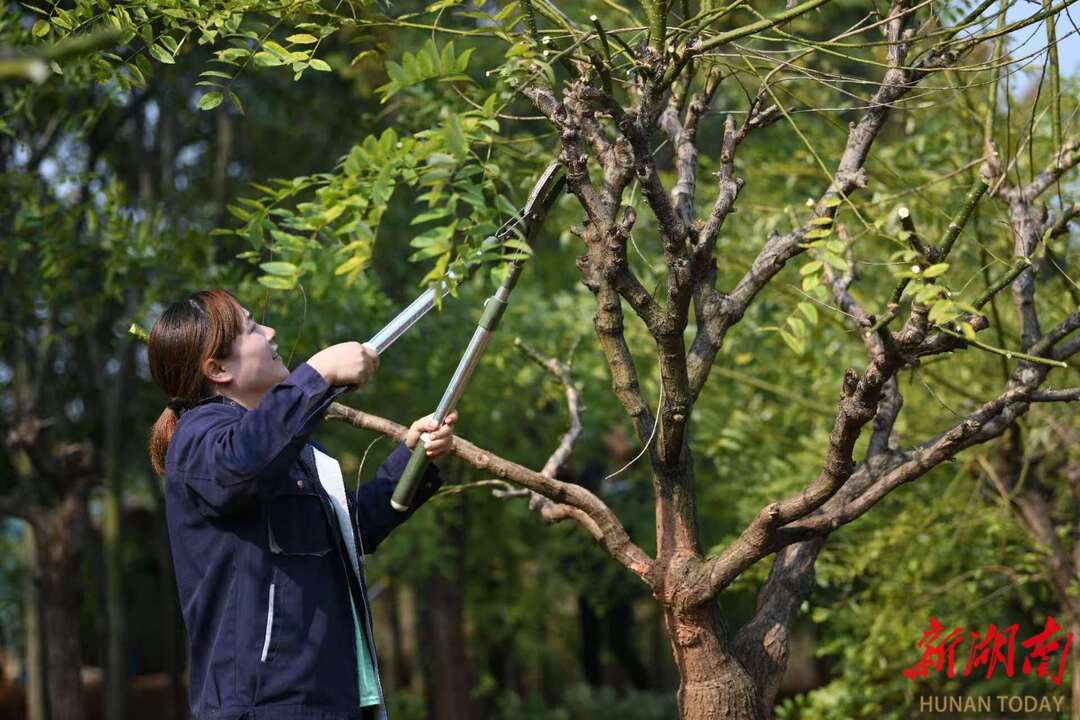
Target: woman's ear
point(216, 372)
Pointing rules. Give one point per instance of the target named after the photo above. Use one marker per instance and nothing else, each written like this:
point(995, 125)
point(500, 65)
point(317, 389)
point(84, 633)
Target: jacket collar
point(218, 399)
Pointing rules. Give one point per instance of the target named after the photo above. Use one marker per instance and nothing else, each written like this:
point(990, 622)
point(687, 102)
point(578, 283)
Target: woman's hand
point(438, 439)
point(347, 363)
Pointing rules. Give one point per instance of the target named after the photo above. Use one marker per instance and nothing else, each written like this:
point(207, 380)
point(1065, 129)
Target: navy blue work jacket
point(246, 512)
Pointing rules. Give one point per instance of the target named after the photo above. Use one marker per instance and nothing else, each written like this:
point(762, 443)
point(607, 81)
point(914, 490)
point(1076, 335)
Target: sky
point(1033, 38)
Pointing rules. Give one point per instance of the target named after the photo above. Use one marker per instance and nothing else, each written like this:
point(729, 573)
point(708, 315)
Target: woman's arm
point(223, 452)
point(375, 517)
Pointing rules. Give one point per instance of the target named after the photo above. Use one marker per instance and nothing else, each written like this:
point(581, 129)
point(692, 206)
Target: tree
point(608, 142)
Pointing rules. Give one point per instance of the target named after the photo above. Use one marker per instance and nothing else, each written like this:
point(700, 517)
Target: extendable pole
point(408, 317)
point(494, 307)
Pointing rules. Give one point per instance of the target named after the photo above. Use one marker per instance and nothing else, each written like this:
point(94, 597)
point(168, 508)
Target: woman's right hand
point(347, 363)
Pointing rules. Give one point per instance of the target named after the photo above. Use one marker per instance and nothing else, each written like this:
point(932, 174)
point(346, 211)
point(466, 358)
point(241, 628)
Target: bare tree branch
point(989, 421)
point(1035, 515)
point(683, 136)
point(779, 249)
point(592, 513)
point(552, 512)
point(1065, 158)
point(1066, 216)
point(1063, 395)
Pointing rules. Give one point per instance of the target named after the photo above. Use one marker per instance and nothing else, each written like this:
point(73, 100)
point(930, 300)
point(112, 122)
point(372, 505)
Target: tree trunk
point(589, 624)
point(447, 673)
point(113, 398)
point(713, 684)
point(447, 668)
point(59, 536)
point(115, 620)
point(171, 620)
point(620, 617)
point(36, 705)
point(402, 665)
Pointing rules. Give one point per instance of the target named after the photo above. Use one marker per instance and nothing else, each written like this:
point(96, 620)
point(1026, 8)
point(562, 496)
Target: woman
point(267, 545)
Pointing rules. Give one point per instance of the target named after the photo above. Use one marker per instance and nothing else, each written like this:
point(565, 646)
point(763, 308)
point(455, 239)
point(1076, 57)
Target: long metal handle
point(489, 321)
point(408, 317)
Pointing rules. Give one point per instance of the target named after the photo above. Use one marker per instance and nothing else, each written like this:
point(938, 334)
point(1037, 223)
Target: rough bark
point(36, 697)
point(60, 536)
point(763, 644)
point(448, 679)
point(713, 684)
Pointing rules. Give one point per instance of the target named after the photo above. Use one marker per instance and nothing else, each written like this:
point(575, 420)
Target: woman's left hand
point(440, 438)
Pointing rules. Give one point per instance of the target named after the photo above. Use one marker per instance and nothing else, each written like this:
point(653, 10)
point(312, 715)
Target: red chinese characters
point(991, 650)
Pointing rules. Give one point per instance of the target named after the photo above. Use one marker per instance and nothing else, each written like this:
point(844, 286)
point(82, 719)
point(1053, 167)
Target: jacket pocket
point(296, 525)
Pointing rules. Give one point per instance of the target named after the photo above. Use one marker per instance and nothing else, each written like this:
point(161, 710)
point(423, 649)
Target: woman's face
point(254, 364)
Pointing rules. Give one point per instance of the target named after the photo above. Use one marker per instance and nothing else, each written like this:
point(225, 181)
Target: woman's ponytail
point(160, 435)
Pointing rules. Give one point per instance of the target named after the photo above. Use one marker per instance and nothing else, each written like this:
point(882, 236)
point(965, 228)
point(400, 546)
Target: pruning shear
point(542, 197)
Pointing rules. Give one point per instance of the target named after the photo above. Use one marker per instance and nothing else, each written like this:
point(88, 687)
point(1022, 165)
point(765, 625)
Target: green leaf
point(285, 269)
point(361, 55)
point(41, 29)
point(435, 214)
point(518, 245)
point(455, 137)
point(501, 15)
point(231, 54)
point(238, 212)
point(820, 221)
point(819, 233)
point(523, 47)
point(277, 49)
point(796, 344)
point(333, 213)
point(210, 100)
point(797, 326)
point(236, 102)
point(943, 311)
point(267, 59)
point(277, 283)
point(357, 262)
point(935, 270)
point(139, 332)
point(302, 39)
point(927, 294)
point(811, 267)
point(320, 65)
point(161, 54)
point(463, 60)
point(809, 311)
point(836, 261)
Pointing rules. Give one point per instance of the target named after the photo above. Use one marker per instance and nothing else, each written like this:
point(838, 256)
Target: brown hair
point(202, 326)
